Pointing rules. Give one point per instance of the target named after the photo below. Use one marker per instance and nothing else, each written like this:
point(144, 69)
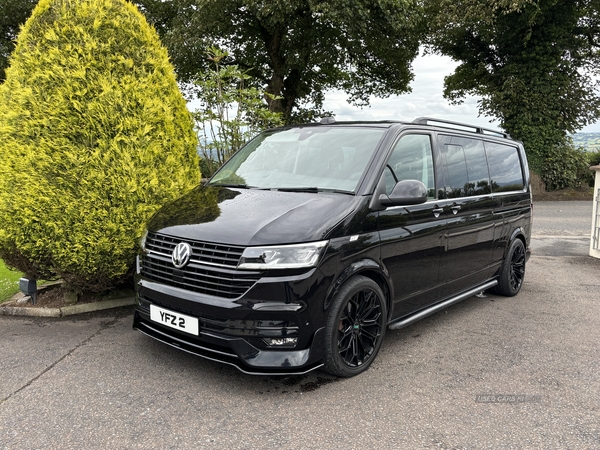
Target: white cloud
point(425, 100)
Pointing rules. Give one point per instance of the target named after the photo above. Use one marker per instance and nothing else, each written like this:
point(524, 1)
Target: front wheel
point(355, 327)
point(512, 272)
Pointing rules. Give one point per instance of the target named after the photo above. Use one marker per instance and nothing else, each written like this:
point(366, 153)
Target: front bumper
point(234, 331)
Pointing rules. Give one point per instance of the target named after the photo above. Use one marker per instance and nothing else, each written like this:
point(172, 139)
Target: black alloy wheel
point(512, 273)
point(355, 327)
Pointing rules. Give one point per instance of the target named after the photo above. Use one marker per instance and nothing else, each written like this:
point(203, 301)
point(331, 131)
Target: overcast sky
point(424, 100)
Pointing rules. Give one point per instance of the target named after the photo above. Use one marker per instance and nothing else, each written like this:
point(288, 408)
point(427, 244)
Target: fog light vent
point(281, 342)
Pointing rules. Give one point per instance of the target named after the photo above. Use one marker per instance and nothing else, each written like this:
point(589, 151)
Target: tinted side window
point(466, 168)
point(505, 167)
point(411, 160)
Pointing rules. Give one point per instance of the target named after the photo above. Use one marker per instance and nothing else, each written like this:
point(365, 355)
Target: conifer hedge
point(94, 137)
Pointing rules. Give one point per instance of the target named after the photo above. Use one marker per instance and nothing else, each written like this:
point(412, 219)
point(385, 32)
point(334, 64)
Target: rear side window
point(466, 168)
point(505, 166)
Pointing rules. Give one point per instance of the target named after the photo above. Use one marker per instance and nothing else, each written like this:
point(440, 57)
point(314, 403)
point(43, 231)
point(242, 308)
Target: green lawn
point(9, 282)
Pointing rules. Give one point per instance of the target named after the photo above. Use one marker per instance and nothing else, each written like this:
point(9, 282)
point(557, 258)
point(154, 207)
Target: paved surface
point(486, 373)
point(562, 228)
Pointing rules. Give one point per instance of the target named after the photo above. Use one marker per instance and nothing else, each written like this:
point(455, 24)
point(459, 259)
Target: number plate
point(175, 320)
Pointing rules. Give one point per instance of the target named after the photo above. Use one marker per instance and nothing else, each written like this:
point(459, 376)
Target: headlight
point(282, 256)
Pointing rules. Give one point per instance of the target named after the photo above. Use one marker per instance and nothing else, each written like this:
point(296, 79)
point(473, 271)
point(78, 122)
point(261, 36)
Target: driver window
point(411, 160)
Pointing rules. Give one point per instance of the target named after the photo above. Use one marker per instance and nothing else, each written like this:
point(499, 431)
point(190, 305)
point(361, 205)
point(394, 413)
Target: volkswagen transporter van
point(312, 240)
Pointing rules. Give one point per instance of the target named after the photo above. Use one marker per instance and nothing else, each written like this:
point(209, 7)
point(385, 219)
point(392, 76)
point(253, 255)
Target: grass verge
point(9, 282)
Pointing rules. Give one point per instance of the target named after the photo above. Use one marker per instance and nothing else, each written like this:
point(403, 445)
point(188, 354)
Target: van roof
point(429, 122)
point(426, 121)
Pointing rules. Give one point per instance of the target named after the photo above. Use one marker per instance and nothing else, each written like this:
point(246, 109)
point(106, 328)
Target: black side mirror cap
point(405, 192)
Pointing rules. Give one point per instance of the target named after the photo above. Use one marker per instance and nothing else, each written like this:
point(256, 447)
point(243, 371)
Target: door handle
point(437, 211)
point(455, 208)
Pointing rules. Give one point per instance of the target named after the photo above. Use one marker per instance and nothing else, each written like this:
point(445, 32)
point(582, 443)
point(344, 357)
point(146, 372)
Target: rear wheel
point(355, 327)
point(512, 272)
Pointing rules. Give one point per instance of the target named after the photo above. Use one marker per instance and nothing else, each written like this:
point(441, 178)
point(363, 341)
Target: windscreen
point(322, 158)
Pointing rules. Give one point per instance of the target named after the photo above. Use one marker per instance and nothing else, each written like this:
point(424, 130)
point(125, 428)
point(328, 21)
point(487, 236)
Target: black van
point(313, 239)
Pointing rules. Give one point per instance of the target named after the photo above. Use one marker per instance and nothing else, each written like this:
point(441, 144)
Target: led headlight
point(282, 256)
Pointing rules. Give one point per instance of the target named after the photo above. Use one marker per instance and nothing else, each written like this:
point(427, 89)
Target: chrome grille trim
point(219, 255)
point(202, 274)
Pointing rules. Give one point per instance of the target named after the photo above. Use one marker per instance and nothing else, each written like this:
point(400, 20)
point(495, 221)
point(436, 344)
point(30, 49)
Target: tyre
point(512, 272)
point(355, 327)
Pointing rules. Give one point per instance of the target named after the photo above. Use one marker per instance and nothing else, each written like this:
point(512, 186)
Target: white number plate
point(175, 320)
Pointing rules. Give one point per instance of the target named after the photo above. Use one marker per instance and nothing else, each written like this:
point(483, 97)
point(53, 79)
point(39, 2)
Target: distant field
point(9, 282)
point(589, 141)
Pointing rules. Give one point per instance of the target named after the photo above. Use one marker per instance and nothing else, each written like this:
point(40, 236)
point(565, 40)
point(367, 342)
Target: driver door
point(412, 236)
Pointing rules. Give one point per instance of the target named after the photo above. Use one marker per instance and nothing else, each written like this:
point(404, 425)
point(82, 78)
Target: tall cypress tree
point(94, 137)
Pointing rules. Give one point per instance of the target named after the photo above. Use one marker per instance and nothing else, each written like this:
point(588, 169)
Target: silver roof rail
point(464, 126)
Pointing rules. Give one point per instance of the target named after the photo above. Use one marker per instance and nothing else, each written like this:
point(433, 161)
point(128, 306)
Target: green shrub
point(94, 137)
point(593, 158)
point(588, 176)
point(208, 166)
point(564, 166)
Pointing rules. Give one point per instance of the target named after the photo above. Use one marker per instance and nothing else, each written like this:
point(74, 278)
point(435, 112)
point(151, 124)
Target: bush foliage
point(593, 159)
point(94, 137)
point(230, 113)
point(565, 167)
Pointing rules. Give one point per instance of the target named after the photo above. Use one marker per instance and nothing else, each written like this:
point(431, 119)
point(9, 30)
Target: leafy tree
point(297, 49)
point(231, 113)
point(13, 14)
point(94, 137)
point(531, 61)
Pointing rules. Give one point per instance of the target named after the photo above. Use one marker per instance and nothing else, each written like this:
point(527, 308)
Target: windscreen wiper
point(313, 189)
point(298, 189)
point(233, 185)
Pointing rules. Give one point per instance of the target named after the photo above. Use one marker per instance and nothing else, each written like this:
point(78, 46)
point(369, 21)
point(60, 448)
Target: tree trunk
point(278, 86)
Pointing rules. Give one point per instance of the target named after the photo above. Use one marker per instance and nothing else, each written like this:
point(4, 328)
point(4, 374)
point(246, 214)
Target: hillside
point(589, 141)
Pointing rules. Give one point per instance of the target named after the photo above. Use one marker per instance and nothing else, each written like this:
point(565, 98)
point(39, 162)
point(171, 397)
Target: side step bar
point(439, 306)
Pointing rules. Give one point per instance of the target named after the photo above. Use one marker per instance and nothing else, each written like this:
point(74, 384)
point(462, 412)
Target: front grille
point(202, 252)
point(211, 269)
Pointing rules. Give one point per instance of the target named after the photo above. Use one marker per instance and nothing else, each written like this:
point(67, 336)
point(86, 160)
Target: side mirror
point(405, 192)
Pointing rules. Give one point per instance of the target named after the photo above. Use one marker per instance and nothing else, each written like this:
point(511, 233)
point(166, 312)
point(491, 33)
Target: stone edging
point(66, 310)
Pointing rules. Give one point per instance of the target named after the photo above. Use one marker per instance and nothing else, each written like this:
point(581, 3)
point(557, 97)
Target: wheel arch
point(367, 268)
point(518, 233)
point(511, 273)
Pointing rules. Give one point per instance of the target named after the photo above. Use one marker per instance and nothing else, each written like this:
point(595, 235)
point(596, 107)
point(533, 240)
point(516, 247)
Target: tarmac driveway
point(488, 372)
